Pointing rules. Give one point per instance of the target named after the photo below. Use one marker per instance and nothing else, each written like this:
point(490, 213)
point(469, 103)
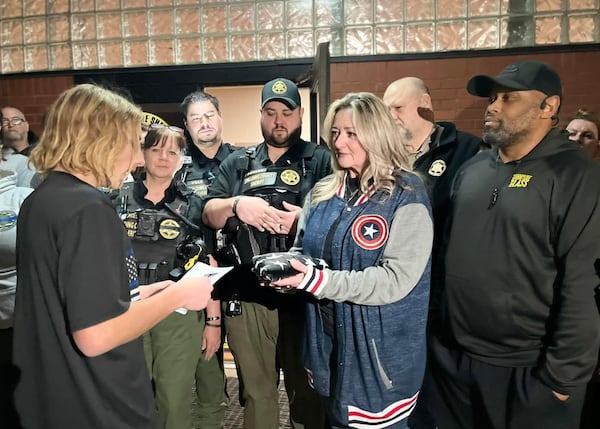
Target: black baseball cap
point(283, 90)
point(520, 76)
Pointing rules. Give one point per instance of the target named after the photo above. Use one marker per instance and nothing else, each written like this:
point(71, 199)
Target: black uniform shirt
point(203, 170)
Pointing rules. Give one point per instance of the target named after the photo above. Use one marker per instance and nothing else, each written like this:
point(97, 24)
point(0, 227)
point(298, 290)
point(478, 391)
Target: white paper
point(201, 269)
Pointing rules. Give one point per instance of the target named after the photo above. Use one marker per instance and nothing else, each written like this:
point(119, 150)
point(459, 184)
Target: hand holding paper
point(201, 269)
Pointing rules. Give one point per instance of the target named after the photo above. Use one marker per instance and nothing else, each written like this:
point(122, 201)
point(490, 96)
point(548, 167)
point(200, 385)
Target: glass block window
point(40, 35)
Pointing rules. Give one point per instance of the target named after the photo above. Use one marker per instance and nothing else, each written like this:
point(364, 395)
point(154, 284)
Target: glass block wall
point(41, 35)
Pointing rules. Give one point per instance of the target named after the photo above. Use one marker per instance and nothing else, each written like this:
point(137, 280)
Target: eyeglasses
point(170, 127)
point(13, 122)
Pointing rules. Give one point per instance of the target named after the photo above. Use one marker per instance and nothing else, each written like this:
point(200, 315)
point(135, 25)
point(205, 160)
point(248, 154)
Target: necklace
point(352, 194)
point(352, 189)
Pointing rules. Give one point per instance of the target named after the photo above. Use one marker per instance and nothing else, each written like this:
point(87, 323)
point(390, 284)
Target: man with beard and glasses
point(522, 325)
point(256, 200)
point(436, 150)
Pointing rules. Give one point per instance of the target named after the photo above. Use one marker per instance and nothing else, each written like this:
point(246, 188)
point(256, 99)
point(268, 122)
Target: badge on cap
point(279, 87)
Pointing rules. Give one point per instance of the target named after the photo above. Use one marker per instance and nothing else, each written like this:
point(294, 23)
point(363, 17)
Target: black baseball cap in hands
point(519, 76)
point(283, 90)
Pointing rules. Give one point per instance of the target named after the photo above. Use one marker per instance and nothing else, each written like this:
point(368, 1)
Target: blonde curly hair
point(85, 130)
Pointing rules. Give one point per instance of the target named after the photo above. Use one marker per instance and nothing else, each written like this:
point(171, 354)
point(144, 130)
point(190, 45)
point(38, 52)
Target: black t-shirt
point(76, 269)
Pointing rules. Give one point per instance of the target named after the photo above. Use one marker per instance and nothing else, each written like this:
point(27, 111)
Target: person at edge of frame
point(584, 129)
point(522, 329)
point(11, 198)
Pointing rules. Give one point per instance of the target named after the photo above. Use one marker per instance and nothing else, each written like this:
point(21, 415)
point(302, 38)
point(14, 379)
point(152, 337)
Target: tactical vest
point(199, 183)
point(156, 234)
point(275, 184)
point(199, 179)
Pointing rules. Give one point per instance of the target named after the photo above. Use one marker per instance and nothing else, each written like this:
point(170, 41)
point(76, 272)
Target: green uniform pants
point(173, 351)
point(210, 391)
point(259, 343)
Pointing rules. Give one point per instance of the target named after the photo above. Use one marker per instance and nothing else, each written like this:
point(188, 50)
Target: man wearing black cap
point(523, 327)
point(256, 200)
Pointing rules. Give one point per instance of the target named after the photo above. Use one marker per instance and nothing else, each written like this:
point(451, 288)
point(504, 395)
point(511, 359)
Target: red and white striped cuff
point(314, 281)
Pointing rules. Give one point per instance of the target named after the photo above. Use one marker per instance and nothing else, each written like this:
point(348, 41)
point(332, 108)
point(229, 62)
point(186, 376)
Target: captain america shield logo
point(370, 231)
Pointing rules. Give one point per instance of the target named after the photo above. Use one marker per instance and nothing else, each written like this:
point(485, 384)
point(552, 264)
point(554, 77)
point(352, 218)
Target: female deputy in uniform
point(173, 347)
point(370, 222)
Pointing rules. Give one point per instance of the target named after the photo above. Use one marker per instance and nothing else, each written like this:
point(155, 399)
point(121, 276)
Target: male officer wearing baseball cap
point(283, 90)
point(256, 199)
point(522, 325)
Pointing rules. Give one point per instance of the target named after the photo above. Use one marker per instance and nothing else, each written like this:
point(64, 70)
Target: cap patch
point(279, 87)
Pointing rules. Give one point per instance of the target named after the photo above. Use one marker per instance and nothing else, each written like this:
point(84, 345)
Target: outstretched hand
point(197, 292)
point(285, 270)
point(295, 280)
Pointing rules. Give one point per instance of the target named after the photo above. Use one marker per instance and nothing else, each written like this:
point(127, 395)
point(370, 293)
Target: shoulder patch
point(437, 168)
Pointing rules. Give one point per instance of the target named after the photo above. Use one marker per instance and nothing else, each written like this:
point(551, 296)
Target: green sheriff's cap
point(283, 90)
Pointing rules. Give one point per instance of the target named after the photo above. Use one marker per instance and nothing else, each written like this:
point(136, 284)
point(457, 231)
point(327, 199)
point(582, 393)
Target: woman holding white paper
point(160, 216)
